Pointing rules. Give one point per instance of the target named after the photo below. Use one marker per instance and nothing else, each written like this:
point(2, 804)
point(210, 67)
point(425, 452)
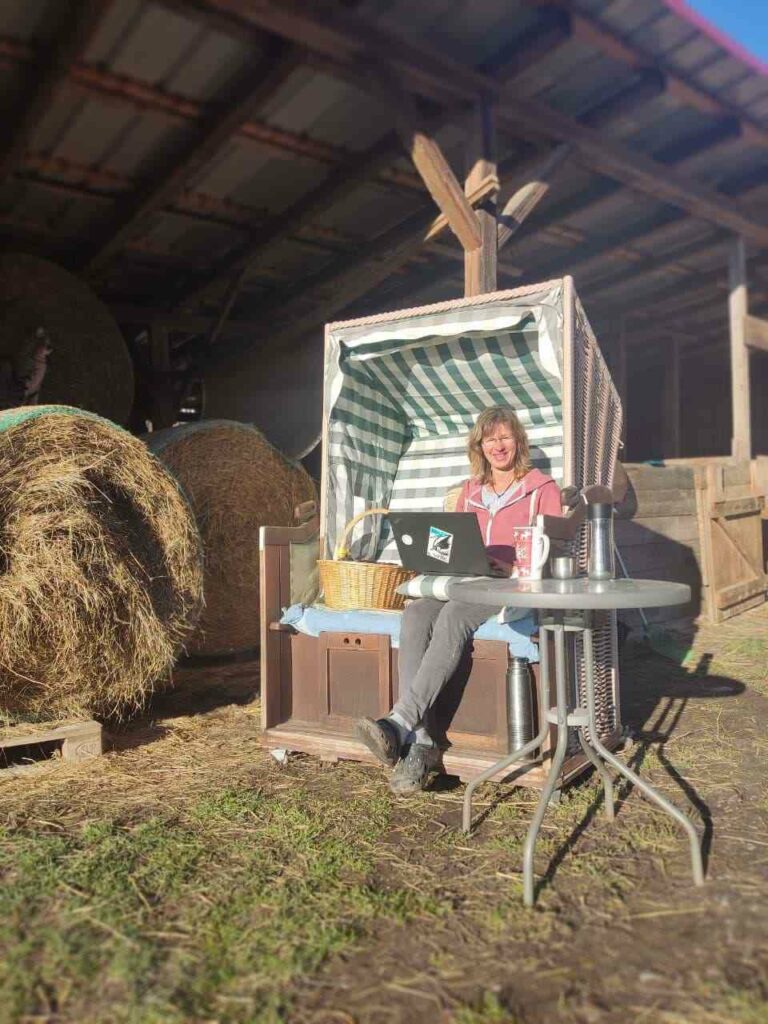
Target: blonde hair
point(488, 419)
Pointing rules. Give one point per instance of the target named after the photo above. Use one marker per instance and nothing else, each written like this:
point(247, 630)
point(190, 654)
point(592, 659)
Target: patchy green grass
point(487, 1010)
point(187, 879)
point(173, 918)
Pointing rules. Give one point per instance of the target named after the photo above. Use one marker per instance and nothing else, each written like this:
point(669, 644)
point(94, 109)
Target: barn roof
point(234, 162)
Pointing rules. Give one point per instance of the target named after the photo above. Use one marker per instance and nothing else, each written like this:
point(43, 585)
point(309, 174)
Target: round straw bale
point(90, 366)
point(100, 567)
point(235, 482)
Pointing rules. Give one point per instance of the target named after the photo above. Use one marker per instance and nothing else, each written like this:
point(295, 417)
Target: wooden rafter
point(592, 32)
point(427, 156)
point(124, 90)
point(330, 189)
point(551, 30)
point(670, 262)
point(588, 202)
point(78, 26)
point(181, 172)
point(481, 264)
point(756, 333)
point(526, 198)
point(345, 37)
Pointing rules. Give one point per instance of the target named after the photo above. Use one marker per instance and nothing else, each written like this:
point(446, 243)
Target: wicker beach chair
point(400, 393)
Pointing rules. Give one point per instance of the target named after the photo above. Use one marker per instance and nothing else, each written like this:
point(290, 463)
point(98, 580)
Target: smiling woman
point(505, 494)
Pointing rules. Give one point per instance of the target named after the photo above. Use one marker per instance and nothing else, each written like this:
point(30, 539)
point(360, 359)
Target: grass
point(188, 878)
point(174, 918)
point(487, 1010)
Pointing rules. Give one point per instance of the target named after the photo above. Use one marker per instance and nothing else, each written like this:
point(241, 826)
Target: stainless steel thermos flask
point(601, 558)
point(519, 703)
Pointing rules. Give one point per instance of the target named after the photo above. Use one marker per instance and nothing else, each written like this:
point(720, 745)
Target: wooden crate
point(77, 741)
point(697, 521)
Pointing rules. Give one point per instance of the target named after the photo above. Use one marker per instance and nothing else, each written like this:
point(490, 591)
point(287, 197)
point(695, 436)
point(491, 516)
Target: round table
point(563, 607)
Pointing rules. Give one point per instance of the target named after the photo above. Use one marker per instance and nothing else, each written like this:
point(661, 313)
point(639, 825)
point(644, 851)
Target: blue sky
point(745, 21)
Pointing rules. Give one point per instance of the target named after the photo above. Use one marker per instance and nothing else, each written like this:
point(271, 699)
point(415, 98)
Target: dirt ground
point(187, 876)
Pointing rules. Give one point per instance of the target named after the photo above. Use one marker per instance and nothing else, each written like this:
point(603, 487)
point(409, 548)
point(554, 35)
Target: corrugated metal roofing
point(156, 70)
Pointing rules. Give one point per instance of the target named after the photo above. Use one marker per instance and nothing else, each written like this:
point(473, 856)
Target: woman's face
point(500, 447)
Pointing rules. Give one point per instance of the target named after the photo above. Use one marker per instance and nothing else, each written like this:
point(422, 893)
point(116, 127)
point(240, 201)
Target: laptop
point(442, 543)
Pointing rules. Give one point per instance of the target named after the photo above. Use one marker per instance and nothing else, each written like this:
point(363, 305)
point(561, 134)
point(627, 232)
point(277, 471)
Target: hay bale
point(90, 366)
point(235, 482)
point(100, 567)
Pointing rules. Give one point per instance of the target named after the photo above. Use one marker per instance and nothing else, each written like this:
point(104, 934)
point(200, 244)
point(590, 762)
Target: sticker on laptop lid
point(439, 544)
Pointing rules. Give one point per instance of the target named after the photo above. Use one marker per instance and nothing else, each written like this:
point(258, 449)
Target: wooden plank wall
point(657, 533)
point(696, 521)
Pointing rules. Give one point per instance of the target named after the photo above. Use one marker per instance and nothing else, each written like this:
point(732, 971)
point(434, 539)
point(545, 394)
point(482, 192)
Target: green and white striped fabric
point(401, 397)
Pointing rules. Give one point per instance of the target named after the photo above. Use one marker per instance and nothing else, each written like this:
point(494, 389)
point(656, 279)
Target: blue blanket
point(315, 619)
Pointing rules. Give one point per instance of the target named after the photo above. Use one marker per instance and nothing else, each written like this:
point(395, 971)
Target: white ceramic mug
point(531, 552)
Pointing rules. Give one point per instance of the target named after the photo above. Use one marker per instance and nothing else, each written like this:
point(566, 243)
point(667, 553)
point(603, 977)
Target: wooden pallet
point(77, 741)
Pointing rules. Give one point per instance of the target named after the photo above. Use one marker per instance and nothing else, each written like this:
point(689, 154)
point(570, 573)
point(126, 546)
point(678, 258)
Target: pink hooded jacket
point(539, 494)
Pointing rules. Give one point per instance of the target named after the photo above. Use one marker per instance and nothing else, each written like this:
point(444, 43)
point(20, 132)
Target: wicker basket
point(348, 584)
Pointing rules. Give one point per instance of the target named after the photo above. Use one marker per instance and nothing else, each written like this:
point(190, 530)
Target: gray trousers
point(433, 635)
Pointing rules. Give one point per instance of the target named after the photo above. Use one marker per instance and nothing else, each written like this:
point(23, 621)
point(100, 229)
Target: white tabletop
point(579, 594)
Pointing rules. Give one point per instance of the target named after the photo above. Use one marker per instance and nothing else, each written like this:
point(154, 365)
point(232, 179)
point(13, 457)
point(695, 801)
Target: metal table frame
point(560, 622)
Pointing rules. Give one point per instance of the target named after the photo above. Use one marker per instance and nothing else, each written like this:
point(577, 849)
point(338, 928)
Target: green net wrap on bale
point(100, 567)
point(235, 482)
point(90, 366)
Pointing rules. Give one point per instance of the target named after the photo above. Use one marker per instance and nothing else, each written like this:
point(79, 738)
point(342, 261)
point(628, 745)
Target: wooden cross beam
point(344, 36)
point(78, 25)
point(427, 157)
point(481, 264)
point(526, 198)
point(589, 30)
point(181, 171)
point(756, 333)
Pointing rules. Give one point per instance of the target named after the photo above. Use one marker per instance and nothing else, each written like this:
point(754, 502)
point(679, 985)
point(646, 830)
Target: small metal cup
point(563, 567)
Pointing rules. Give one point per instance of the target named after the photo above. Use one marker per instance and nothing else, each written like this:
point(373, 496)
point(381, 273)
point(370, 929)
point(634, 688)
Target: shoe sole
point(371, 735)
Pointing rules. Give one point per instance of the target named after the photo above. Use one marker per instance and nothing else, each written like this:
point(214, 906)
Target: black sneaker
point(381, 738)
point(412, 772)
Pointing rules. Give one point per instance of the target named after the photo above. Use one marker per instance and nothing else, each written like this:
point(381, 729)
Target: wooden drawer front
point(471, 712)
point(480, 720)
point(354, 677)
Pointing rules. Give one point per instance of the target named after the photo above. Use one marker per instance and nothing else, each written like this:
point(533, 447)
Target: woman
point(504, 492)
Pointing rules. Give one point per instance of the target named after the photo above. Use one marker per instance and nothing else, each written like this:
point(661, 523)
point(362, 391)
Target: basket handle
point(342, 551)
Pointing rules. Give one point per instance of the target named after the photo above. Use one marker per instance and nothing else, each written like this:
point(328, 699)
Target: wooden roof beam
point(180, 173)
point(647, 86)
point(551, 30)
point(589, 200)
point(756, 333)
point(124, 90)
point(591, 32)
point(345, 37)
point(428, 159)
point(76, 29)
point(526, 198)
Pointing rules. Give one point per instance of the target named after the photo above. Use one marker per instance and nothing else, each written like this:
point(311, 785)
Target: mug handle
point(544, 540)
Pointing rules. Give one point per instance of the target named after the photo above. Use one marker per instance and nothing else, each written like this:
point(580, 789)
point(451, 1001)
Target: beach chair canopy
point(401, 392)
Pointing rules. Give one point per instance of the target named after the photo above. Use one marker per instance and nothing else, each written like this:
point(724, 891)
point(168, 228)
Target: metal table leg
point(558, 756)
point(596, 744)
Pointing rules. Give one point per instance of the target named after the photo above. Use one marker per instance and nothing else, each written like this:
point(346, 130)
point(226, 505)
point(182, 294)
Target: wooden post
point(672, 398)
point(163, 397)
point(741, 444)
point(480, 265)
